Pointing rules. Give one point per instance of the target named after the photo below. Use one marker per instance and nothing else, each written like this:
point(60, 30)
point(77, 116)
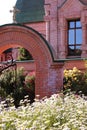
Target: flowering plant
point(75, 80)
point(58, 112)
point(30, 81)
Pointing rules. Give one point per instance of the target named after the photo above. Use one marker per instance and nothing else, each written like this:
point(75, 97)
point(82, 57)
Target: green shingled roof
point(30, 11)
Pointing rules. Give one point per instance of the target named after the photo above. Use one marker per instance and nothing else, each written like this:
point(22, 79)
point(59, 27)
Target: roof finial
point(14, 11)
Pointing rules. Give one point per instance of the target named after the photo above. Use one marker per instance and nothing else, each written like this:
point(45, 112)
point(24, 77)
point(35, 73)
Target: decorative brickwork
point(57, 14)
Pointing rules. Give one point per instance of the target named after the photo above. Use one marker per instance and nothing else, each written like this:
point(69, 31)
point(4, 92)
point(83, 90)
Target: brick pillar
point(51, 17)
point(48, 31)
point(84, 43)
point(49, 80)
point(63, 31)
point(55, 81)
point(84, 32)
point(47, 20)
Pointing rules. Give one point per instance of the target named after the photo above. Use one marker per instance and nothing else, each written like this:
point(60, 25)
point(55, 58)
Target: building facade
point(54, 32)
point(63, 23)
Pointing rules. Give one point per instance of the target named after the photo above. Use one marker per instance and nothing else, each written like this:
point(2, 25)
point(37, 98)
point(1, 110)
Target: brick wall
point(27, 65)
point(39, 26)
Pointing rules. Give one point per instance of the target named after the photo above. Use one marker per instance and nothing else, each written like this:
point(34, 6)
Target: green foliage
point(24, 54)
point(13, 83)
point(75, 80)
point(59, 112)
point(6, 83)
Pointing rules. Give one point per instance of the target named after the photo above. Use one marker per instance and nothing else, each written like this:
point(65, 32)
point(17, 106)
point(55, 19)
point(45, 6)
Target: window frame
point(74, 45)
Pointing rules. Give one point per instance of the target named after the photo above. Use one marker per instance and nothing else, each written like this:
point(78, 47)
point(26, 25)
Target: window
point(74, 38)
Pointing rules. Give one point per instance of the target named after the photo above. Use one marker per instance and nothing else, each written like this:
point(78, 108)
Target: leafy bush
point(13, 83)
point(75, 80)
point(30, 85)
point(24, 54)
point(59, 112)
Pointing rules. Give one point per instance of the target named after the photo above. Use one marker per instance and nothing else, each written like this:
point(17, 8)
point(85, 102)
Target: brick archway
point(47, 74)
point(32, 41)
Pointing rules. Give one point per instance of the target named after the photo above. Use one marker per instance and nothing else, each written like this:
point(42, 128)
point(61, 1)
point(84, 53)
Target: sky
point(5, 7)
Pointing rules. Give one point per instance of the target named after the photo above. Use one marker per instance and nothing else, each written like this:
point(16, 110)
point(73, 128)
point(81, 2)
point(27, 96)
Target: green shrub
point(75, 80)
point(24, 54)
point(30, 85)
point(12, 83)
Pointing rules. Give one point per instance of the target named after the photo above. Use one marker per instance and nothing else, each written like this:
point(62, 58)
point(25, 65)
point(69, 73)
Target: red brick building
point(54, 32)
